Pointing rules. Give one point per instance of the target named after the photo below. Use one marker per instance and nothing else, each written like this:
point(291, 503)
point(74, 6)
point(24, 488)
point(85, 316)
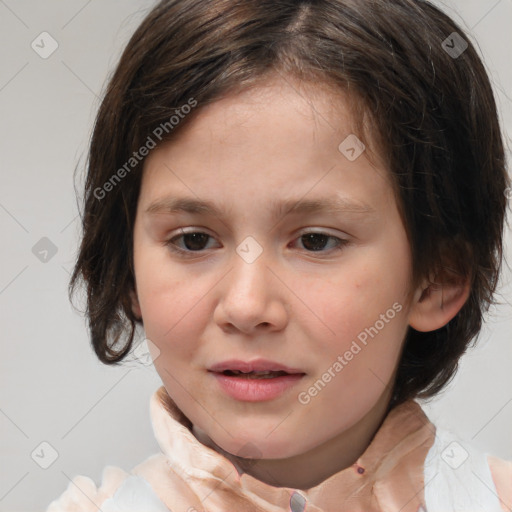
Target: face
point(321, 290)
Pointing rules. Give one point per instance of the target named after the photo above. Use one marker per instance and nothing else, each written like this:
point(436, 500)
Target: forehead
point(268, 102)
point(280, 138)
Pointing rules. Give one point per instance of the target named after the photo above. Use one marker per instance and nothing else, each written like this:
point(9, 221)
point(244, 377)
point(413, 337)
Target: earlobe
point(435, 304)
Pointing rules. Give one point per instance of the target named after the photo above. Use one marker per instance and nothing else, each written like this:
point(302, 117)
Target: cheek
point(172, 304)
point(362, 302)
point(348, 299)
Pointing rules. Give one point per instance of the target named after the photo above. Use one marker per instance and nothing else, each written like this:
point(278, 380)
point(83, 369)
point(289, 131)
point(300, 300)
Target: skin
point(293, 304)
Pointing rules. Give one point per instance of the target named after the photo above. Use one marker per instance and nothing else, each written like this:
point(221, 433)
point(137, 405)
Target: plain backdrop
point(58, 405)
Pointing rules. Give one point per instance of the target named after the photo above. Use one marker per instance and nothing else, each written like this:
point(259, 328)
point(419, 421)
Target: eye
point(193, 241)
point(316, 241)
point(196, 241)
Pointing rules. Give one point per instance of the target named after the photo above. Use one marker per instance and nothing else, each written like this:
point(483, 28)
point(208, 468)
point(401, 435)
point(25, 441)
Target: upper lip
point(256, 365)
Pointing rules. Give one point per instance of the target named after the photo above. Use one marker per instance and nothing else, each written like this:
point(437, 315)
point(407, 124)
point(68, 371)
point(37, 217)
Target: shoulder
point(152, 486)
point(459, 474)
point(501, 471)
point(82, 494)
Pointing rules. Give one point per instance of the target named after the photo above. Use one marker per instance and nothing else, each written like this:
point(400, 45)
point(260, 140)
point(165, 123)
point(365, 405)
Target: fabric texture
point(134, 495)
point(457, 466)
point(409, 466)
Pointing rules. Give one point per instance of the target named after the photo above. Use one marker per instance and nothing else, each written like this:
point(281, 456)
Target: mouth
point(257, 368)
point(256, 375)
point(256, 386)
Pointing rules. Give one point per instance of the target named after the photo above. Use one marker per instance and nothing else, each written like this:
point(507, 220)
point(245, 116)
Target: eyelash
point(341, 243)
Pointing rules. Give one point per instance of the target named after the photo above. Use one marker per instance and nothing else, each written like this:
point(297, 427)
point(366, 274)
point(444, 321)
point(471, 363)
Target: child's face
point(303, 302)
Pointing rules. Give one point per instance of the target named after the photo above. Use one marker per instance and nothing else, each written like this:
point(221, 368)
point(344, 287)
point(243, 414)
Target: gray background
point(52, 388)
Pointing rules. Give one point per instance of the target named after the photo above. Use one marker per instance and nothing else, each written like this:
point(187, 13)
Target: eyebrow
point(329, 205)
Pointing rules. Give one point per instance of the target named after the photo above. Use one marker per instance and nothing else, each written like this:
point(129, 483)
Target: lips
point(255, 387)
point(259, 367)
point(248, 375)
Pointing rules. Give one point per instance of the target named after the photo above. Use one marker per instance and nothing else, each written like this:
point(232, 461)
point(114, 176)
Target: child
point(342, 164)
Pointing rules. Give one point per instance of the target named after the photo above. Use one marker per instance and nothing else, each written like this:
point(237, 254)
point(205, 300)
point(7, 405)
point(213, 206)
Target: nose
point(252, 298)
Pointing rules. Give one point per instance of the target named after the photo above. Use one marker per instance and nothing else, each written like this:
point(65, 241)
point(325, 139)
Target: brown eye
point(317, 242)
point(194, 241)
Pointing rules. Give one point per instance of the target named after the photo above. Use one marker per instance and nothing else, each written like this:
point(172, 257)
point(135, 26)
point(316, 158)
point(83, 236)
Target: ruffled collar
point(388, 476)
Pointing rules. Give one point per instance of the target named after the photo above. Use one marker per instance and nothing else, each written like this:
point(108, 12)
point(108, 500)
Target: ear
point(435, 304)
point(135, 304)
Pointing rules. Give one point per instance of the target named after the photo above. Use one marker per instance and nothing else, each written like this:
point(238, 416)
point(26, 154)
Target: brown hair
point(432, 112)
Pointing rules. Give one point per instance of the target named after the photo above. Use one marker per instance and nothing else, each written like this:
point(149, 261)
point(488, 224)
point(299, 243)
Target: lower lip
point(256, 390)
